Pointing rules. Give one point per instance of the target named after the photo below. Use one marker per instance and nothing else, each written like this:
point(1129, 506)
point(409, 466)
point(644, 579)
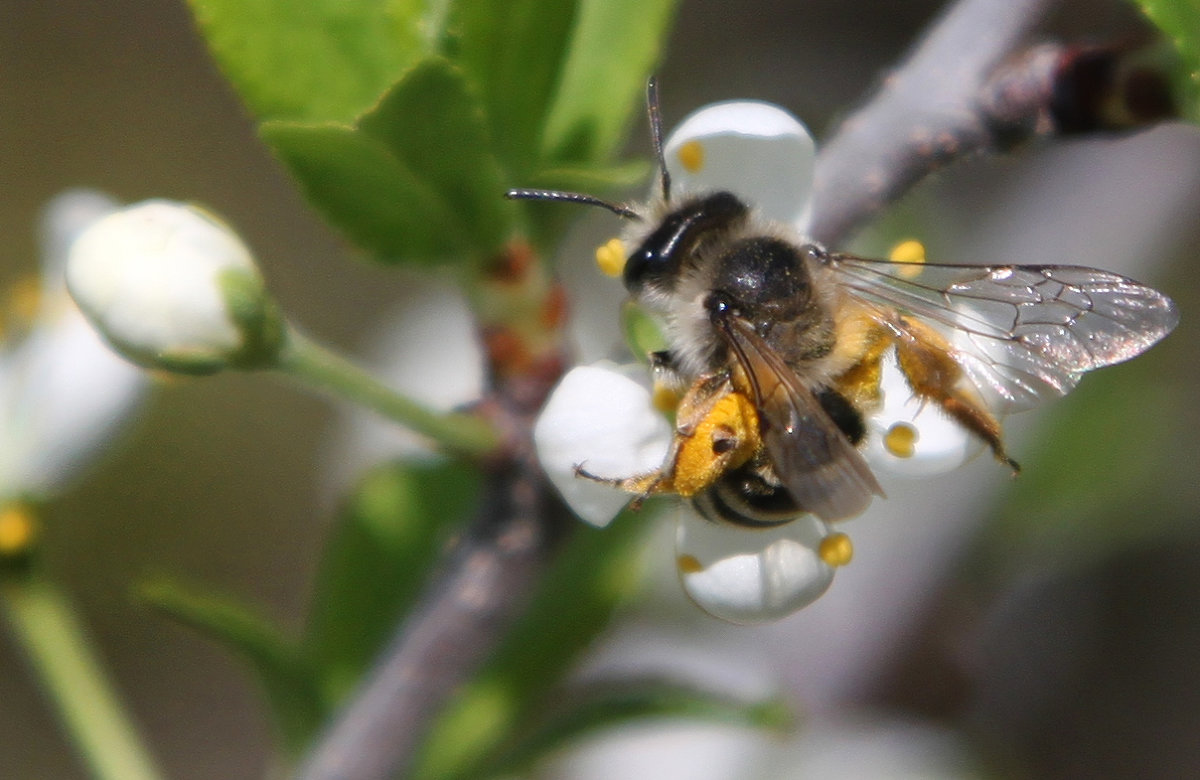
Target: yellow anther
point(665, 398)
point(611, 257)
point(909, 252)
point(691, 156)
point(688, 564)
point(18, 528)
point(836, 549)
point(901, 440)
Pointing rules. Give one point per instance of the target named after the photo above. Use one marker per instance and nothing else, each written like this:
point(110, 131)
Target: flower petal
point(603, 420)
point(751, 575)
point(753, 149)
point(912, 438)
point(63, 391)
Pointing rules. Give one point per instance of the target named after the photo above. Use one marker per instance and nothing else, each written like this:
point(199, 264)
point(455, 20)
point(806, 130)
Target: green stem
point(58, 649)
point(465, 434)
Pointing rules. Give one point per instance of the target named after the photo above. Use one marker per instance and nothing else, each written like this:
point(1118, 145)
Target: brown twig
point(927, 112)
point(448, 637)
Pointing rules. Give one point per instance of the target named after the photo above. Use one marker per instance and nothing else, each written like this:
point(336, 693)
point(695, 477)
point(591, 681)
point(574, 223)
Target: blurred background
point(1046, 627)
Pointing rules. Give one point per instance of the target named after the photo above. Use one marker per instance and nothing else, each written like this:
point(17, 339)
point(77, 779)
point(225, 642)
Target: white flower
point(170, 286)
point(62, 390)
point(752, 575)
point(602, 419)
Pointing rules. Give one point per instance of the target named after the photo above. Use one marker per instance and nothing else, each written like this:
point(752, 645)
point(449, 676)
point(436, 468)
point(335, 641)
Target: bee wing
point(1022, 333)
point(819, 466)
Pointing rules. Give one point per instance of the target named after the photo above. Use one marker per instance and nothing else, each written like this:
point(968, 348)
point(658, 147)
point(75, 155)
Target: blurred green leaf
point(614, 45)
point(1109, 472)
point(1179, 21)
point(285, 673)
point(314, 60)
point(578, 713)
point(377, 561)
point(600, 178)
point(513, 51)
point(360, 187)
point(588, 580)
point(435, 127)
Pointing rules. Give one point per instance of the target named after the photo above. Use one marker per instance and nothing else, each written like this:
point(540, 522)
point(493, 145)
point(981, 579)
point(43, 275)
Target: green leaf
point(313, 60)
point(285, 673)
point(378, 559)
point(575, 714)
point(360, 187)
point(589, 579)
point(513, 51)
point(1180, 22)
point(1108, 474)
point(435, 127)
point(614, 46)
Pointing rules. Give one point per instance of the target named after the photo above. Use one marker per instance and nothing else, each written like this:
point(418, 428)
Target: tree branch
point(481, 588)
point(926, 113)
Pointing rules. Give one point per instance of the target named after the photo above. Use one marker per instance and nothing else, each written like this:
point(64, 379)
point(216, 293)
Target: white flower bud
point(170, 286)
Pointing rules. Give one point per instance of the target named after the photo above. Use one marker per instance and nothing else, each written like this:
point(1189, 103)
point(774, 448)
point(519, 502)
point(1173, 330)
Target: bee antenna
point(656, 135)
point(573, 197)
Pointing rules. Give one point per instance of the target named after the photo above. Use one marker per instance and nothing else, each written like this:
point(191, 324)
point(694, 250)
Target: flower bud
point(170, 286)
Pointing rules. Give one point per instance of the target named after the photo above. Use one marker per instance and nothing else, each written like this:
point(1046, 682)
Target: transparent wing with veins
point(1022, 333)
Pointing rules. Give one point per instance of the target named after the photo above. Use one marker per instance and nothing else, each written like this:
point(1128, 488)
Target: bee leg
point(925, 360)
point(642, 485)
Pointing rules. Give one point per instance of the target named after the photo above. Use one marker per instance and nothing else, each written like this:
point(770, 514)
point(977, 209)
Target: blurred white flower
point(62, 390)
point(172, 287)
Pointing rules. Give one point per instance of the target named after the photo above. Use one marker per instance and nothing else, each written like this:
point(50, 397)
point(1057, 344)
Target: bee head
point(667, 250)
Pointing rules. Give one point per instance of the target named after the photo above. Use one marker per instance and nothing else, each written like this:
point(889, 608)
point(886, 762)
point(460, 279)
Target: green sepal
point(256, 316)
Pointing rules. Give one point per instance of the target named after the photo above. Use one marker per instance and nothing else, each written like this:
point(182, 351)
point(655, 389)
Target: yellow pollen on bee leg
point(18, 528)
point(909, 252)
point(691, 156)
point(665, 398)
point(688, 564)
point(901, 440)
point(836, 550)
point(611, 257)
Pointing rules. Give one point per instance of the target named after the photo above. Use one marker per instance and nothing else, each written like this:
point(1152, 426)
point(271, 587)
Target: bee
point(777, 346)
